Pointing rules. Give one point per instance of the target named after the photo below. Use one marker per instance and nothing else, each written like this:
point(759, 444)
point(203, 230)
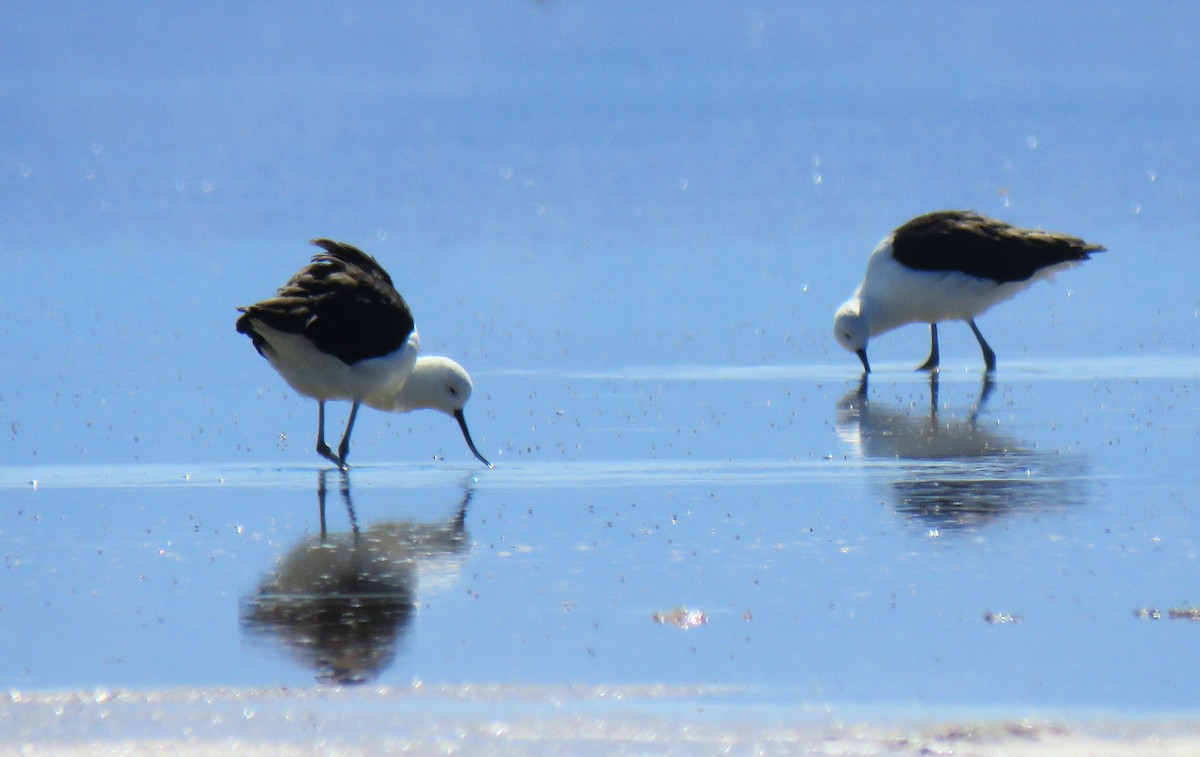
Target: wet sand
point(473, 719)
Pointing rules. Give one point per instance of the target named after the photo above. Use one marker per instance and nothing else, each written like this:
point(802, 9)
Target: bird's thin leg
point(933, 399)
point(349, 502)
point(985, 391)
point(934, 357)
point(321, 500)
point(344, 447)
point(989, 357)
point(323, 448)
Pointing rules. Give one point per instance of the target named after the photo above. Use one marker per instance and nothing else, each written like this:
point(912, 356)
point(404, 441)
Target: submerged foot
point(324, 451)
point(934, 360)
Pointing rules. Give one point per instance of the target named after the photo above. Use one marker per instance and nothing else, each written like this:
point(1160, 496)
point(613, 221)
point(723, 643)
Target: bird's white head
point(438, 383)
point(852, 330)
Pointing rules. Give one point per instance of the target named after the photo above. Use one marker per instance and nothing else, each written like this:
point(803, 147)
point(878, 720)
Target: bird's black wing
point(343, 301)
point(966, 242)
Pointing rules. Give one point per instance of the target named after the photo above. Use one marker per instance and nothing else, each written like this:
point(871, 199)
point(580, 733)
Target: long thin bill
point(862, 355)
point(462, 423)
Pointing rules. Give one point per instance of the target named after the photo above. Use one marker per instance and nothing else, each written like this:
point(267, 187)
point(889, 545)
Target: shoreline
point(474, 719)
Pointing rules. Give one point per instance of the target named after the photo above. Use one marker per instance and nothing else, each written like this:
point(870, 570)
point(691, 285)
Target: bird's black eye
point(453, 390)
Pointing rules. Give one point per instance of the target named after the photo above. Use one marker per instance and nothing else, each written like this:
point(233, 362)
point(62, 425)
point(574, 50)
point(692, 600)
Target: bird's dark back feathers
point(343, 301)
point(966, 242)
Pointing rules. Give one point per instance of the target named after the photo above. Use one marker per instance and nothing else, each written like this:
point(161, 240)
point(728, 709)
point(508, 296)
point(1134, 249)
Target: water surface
point(632, 224)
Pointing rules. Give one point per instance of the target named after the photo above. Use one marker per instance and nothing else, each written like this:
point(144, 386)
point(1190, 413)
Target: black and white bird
point(950, 265)
point(339, 330)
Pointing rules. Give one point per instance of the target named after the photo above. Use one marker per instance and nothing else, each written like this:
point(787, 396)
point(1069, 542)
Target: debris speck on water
point(681, 617)
point(999, 618)
point(1147, 613)
point(1184, 613)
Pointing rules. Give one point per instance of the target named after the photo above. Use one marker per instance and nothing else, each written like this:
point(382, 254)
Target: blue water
point(632, 224)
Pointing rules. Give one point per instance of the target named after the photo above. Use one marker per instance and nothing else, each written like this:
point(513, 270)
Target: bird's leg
point(349, 502)
point(934, 358)
point(989, 357)
point(985, 391)
point(321, 500)
point(344, 447)
point(933, 399)
point(323, 448)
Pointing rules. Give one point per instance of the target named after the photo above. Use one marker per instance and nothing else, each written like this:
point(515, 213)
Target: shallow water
point(896, 553)
point(635, 241)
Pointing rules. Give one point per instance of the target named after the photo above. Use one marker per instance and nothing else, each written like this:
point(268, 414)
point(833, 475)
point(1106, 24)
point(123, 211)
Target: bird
point(950, 470)
point(950, 265)
point(339, 330)
point(343, 603)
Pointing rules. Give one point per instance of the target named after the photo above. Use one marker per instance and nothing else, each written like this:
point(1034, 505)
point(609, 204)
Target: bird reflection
point(955, 473)
point(342, 602)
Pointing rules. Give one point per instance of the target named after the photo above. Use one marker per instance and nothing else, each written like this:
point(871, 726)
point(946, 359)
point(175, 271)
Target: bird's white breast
point(893, 295)
point(322, 376)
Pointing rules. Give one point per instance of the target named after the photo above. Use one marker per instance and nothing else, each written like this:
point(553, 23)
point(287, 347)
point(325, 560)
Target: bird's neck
point(422, 389)
point(882, 315)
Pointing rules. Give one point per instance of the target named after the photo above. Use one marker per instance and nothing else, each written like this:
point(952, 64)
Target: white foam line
point(691, 373)
point(506, 475)
point(1076, 369)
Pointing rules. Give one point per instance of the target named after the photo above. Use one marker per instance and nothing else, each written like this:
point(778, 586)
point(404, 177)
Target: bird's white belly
point(322, 376)
point(901, 295)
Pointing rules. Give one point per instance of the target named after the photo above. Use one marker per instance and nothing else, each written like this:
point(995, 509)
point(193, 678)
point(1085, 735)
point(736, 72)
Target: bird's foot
point(324, 451)
point(932, 362)
point(935, 356)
